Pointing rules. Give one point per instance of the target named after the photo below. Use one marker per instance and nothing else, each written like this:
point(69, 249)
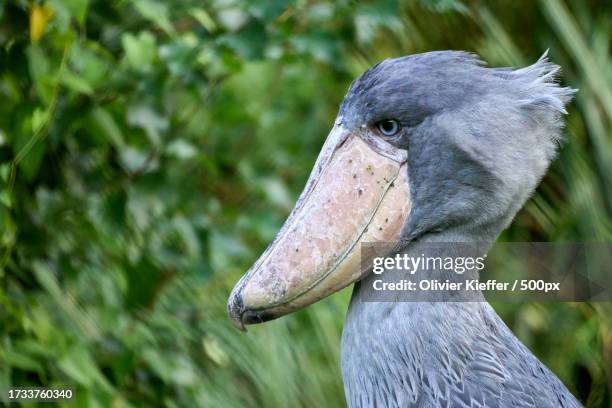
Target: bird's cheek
point(354, 195)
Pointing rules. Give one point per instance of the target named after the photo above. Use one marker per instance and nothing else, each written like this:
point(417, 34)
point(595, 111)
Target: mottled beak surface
point(357, 192)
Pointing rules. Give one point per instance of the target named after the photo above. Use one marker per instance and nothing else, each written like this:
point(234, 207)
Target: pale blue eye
point(388, 127)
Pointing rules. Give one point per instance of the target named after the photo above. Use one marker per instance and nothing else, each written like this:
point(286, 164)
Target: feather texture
point(479, 140)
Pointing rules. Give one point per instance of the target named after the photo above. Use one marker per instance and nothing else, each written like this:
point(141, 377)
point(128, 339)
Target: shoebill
point(433, 147)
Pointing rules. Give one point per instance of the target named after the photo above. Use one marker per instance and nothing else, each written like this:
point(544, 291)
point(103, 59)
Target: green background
point(149, 151)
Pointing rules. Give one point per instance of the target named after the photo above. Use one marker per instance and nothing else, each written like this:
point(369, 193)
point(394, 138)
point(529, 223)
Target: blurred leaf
point(103, 122)
point(39, 118)
point(149, 120)
point(5, 199)
point(40, 73)
point(181, 149)
point(157, 12)
point(20, 360)
point(76, 83)
point(5, 169)
point(214, 351)
point(203, 18)
point(143, 282)
point(140, 51)
point(39, 16)
point(77, 8)
point(77, 364)
point(33, 159)
point(446, 5)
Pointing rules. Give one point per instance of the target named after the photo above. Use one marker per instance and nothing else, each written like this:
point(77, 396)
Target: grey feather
point(441, 354)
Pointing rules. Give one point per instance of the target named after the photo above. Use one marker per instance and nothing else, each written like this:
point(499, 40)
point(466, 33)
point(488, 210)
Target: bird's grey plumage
point(479, 140)
point(441, 355)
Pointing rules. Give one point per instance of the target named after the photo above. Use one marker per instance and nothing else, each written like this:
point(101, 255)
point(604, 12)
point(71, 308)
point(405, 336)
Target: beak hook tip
point(235, 311)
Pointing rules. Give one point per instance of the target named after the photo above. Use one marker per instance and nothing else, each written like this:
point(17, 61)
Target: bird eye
point(388, 127)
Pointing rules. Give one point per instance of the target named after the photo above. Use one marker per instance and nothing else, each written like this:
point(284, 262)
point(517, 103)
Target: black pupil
point(388, 126)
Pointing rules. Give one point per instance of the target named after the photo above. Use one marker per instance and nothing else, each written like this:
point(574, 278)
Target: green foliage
point(149, 150)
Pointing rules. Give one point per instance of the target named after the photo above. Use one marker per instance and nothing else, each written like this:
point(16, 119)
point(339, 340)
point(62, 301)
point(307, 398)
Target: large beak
point(357, 192)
